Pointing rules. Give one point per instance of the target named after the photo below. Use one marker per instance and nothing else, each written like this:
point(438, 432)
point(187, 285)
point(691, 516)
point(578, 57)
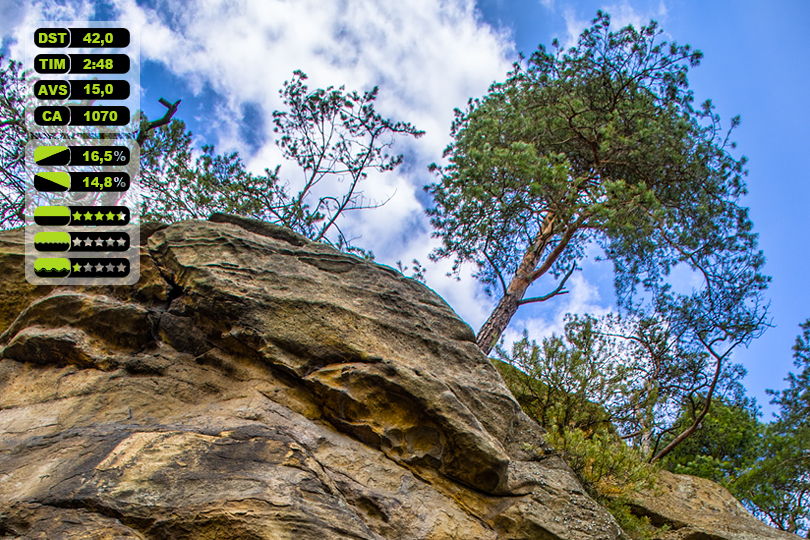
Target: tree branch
point(559, 290)
point(143, 133)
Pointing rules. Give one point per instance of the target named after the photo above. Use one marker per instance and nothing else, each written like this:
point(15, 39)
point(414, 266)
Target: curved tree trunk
point(499, 318)
point(526, 274)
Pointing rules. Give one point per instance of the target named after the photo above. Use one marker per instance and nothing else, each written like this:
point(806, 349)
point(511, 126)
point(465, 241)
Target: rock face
point(690, 508)
point(255, 385)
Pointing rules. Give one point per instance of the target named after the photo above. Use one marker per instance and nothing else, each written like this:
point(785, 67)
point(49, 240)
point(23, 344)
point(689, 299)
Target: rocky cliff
point(255, 385)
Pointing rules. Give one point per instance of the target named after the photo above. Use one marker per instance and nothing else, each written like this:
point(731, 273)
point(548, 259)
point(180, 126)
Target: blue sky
point(228, 61)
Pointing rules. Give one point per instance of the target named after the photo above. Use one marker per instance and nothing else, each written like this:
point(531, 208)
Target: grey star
point(87, 267)
point(88, 242)
point(121, 242)
point(77, 241)
point(99, 242)
point(98, 268)
point(109, 267)
point(121, 268)
point(110, 241)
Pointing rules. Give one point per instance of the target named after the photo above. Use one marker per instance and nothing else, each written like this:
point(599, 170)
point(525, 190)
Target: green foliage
point(179, 183)
point(599, 144)
point(777, 486)
point(631, 377)
point(605, 464)
point(559, 382)
point(573, 386)
point(636, 527)
point(726, 443)
point(596, 388)
point(335, 137)
point(766, 466)
point(794, 401)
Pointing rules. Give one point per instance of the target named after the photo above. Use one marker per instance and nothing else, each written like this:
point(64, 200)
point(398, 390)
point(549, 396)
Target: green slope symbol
point(52, 215)
point(52, 155)
point(52, 267)
point(52, 181)
point(52, 241)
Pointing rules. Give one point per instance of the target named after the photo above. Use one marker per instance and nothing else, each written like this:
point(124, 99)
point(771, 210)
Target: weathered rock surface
point(255, 385)
point(694, 508)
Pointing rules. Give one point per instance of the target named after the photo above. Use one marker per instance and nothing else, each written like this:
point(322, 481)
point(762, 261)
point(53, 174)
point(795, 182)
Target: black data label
point(52, 63)
point(55, 115)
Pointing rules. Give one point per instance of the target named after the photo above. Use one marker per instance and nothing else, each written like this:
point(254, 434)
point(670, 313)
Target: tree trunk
point(499, 319)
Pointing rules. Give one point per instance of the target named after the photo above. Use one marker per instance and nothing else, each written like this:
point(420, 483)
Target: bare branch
point(558, 291)
point(171, 109)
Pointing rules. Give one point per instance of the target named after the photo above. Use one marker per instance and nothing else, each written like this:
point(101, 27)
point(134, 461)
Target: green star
point(88, 216)
point(110, 216)
point(99, 216)
point(76, 267)
point(77, 216)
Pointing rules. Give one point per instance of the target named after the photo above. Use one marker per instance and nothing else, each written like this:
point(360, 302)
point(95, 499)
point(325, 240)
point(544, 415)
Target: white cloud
point(583, 298)
point(624, 14)
point(427, 57)
point(13, 14)
point(19, 19)
point(573, 27)
point(621, 14)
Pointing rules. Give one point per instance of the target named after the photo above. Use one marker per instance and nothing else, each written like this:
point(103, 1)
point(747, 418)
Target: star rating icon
point(121, 242)
point(121, 216)
point(99, 268)
point(77, 242)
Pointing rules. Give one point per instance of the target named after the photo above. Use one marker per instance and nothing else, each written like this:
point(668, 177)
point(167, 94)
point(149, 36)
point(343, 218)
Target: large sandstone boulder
point(255, 385)
point(690, 508)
